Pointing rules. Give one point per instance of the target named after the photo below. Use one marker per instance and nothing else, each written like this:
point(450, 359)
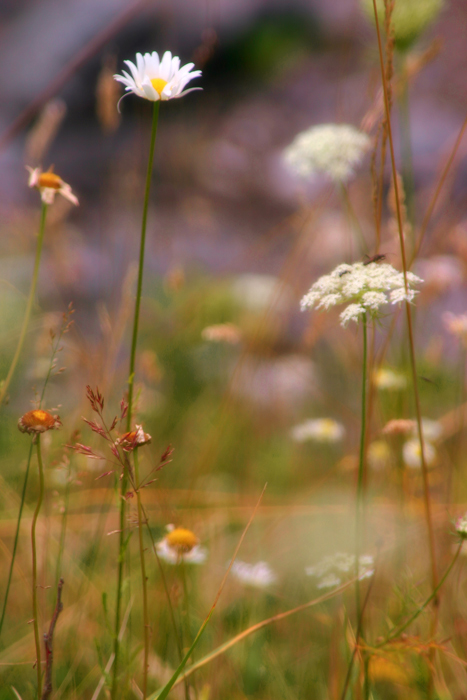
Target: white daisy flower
point(155, 79)
point(432, 429)
point(180, 545)
point(319, 430)
point(49, 184)
point(258, 575)
point(412, 454)
point(330, 149)
point(364, 286)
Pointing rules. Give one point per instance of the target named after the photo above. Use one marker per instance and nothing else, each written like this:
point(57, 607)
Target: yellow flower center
point(50, 180)
point(158, 84)
point(38, 421)
point(40, 416)
point(328, 427)
point(181, 540)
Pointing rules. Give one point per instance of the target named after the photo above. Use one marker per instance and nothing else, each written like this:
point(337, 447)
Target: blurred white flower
point(365, 287)
point(461, 527)
point(319, 430)
point(336, 568)
point(387, 379)
point(441, 272)
point(49, 184)
point(378, 454)
point(331, 149)
point(180, 545)
point(258, 575)
point(412, 453)
point(431, 429)
point(259, 292)
point(155, 79)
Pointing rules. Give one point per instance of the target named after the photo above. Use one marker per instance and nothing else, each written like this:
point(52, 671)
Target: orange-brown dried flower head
point(135, 438)
point(181, 540)
point(38, 421)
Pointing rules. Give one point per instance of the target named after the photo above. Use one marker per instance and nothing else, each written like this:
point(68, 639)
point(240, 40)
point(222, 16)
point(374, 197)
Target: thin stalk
point(27, 315)
point(360, 492)
point(15, 544)
point(354, 222)
point(406, 143)
point(426, 491)
point(37, 638)
point(134, 341)
point(143, 576)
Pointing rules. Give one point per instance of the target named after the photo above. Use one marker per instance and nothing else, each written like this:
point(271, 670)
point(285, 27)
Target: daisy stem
point(360, 494)
point(34, 567)
point(15, 544)
point(27, 315)
point(131, 375)
point(143, 575)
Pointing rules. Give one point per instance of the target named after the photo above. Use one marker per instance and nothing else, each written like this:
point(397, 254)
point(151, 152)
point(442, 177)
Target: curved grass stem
point(131, 375)
point(27, 314)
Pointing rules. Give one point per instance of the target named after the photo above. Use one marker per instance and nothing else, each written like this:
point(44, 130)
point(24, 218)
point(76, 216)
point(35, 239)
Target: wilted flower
point(365, 287)
point(331, 149)
point(335, 568)
point(155, 79)
point(389, 380)
point(319, 430)
point(49, 184)
point(180, 545)
point(258, 575)
point(461, 527)
point(38, 421)
point(412, 454)
point(134, 438)
point(409, 18)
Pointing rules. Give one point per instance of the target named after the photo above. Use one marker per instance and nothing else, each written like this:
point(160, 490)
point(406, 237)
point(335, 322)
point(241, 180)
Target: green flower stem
point(34, 568)
point(131, 376)
point(15, 544)
point(360, 498)
point(27, 315)
point(426, 488)
point(143, 576)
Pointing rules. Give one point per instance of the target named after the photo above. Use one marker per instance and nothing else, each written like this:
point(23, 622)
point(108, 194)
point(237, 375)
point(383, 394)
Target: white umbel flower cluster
point(364, 287)
point(157, 79)
point(324, 430)
point(334, 150)
point(334, 569)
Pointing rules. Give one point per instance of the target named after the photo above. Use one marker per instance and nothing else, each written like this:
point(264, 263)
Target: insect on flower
point(374, 258)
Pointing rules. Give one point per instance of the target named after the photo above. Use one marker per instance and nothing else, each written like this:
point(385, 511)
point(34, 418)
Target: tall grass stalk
point(30, 302)
point(141, 521)
point(426, 487)
point(35, 611)
point(131, 376)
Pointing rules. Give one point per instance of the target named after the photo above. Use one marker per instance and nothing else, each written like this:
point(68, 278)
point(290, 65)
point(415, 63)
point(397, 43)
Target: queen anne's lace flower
point(334, 569)
point(259, 575)
point(331, 149)
point(364, 287)
point(155, 79)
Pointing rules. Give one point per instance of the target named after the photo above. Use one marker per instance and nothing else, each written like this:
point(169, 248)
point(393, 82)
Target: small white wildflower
point(411, 454)
point(365, 287)
point(319, 430)
point(461, 527)
point(49, 184)
point(388, 380)
point(334, 150)
point(258, 575)
point(431, 429)
point(157, 79)
point(180, 545)
point(334, 568)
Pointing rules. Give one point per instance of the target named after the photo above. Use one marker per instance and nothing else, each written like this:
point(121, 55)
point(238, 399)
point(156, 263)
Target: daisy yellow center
point(50, 180)
point(181, 540)
point(327, 427)
point(158, 84)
